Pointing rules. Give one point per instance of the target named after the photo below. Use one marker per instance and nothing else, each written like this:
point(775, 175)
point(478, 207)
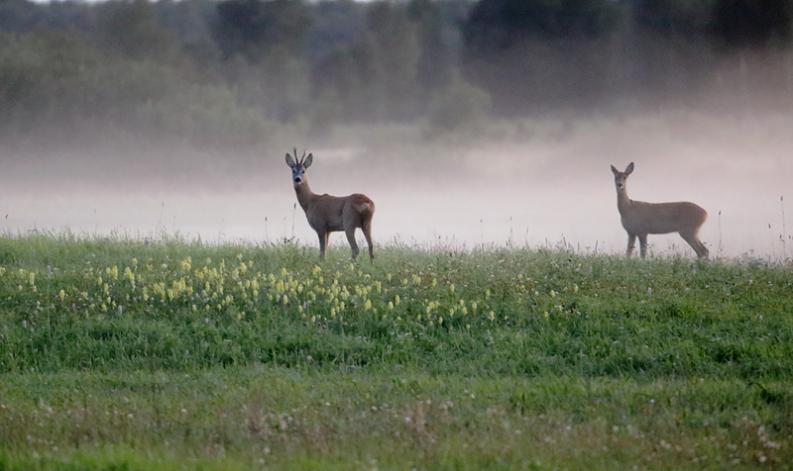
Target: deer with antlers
point(640, 218)
point(326, 213)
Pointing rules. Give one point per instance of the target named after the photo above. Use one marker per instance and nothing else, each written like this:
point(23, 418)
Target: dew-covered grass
point(118, 354)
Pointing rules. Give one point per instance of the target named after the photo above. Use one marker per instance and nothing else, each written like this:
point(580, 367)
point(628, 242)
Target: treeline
point(230, 71)
point(546, 54)
point(233, 71)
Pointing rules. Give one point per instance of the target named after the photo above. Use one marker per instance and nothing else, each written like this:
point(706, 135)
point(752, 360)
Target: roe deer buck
point(640, 218)
point(326, 213)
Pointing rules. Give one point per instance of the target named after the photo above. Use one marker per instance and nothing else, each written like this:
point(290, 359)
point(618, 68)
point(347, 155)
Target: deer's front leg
point(643, 244)
point(631, 244)
point(323, 243)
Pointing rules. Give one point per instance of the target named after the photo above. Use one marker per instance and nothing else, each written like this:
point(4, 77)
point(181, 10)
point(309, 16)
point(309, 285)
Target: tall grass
point(126, 354)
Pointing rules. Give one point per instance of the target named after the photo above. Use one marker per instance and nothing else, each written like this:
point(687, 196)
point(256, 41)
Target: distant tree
point(500, 24)
point(756, 35)
point(390, 69)
point(190, 22)
point(530, 54)
point(671, 53)
point(753, 23)
point(683, 18)
point(684, 46)
point(254, 28)
point(343, 87)
point(460, 107)
point(131, 29)
point(436, 60)
point(392, 42)
point(270, 37)
point(44, 76)
point(336, 25)
point(19, 15)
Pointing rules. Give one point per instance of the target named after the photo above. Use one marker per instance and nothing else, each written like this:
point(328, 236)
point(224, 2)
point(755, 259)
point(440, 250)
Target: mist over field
point(551, 185)
point(467, 123)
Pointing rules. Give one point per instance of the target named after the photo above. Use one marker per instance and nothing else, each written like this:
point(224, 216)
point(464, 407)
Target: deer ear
point(629, 169)
point(308, 161)
point(614, 170)
point(290, 160)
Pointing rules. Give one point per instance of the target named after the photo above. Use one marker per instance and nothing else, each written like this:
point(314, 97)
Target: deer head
point(299, 166)
point(621, 177)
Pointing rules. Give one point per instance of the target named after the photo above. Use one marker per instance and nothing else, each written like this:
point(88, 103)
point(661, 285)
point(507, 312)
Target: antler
point(302, 157)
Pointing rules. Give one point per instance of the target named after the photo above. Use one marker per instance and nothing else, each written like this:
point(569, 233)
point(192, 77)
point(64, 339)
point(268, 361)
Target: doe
point(640, 218)
point(326, 213)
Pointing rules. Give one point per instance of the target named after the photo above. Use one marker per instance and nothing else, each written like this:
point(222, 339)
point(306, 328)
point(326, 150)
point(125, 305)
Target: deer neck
point(623, 202)
point(304, 195)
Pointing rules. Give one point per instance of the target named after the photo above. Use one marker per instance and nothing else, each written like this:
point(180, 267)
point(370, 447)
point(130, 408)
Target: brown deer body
point(640, 219)
point(326, 213)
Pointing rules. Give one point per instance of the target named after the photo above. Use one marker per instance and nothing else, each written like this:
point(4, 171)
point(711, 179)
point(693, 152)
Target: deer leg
point(695, 243)
point(323, 243)
point(367, 232)
point(327, 239)
point(703, 251)
point(643, 244)
point(350, 231)
point(631, 245)
point(691, 240)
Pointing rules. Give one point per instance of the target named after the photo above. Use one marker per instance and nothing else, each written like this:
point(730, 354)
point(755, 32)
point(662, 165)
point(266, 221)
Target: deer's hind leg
point(631, 245)
point(367, 232)
point(350, 231)
point(703, 251)
point(693, 240)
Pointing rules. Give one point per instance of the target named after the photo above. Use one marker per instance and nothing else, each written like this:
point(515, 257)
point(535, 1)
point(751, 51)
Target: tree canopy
point(188, 67)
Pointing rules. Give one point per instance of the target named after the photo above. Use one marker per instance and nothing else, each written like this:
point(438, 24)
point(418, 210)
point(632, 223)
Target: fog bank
point(531, 182)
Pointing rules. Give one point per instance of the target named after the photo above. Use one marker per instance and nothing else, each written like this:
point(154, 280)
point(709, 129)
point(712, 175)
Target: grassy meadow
point(126, 355)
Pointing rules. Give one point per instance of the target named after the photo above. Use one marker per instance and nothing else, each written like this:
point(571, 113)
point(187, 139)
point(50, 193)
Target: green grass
point(174, 355)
